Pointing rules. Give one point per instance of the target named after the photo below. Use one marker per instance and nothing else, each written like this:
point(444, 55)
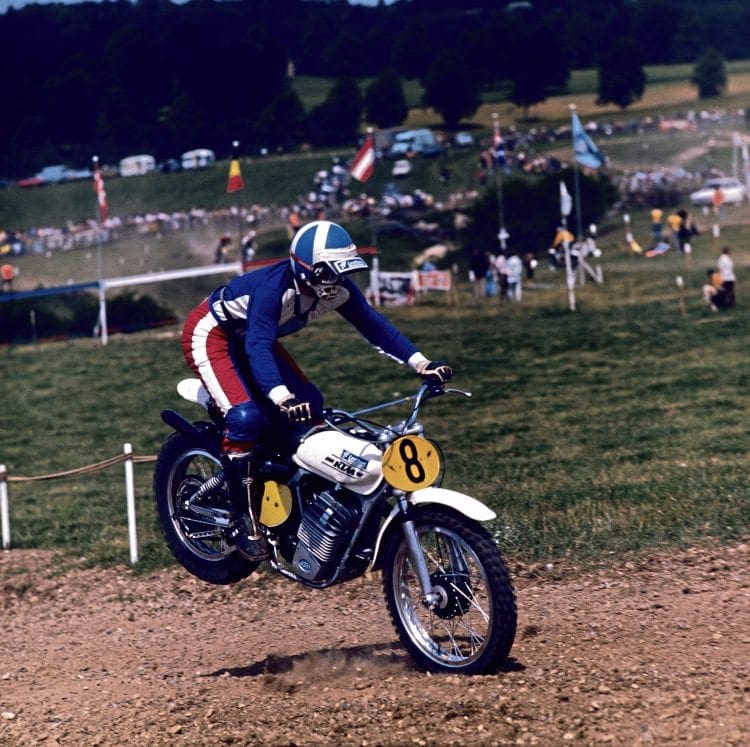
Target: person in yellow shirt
point(556, 256)
point(674, 220)
point(656, 224)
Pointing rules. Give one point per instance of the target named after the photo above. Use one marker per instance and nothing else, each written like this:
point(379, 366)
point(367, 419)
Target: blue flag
point(586, 152)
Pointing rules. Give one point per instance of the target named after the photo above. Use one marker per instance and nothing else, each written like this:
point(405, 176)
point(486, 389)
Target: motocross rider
point(231, 341)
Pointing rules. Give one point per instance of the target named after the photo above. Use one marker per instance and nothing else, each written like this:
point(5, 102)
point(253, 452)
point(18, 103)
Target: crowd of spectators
point(331, 191)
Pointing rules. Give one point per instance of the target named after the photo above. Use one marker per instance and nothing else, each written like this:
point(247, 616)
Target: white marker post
point(130, 501)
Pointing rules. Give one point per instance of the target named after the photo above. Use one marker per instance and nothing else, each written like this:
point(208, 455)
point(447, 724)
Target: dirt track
point(652, 652)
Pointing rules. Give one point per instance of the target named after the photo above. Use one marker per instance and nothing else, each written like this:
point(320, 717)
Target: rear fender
point(203, 434)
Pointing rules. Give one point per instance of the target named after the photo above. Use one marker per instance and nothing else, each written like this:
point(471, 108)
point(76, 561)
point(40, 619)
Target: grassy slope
point(619, 427)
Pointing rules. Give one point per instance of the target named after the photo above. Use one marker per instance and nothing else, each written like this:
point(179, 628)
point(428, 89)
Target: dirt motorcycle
point(350, 496)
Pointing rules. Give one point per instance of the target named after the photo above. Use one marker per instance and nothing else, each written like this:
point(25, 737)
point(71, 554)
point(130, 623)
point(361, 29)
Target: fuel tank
point(342, 458)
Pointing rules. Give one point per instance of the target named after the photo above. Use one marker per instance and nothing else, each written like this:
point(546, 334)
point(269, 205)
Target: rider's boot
point(244, 490)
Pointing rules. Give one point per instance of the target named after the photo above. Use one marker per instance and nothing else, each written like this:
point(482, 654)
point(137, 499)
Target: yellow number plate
point(411, 462)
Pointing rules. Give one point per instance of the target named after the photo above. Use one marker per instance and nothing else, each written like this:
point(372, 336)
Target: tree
point(284, 121)
point(385, 103)
point(451, 88)
point(412, 49)
point(337, 119)
point(621, 77)
point(710, 74)
point(532, 74)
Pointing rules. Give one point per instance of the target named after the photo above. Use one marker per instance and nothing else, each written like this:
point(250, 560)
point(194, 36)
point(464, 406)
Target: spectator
point(479, 263)
point(530, 265)
point(248, 246)
point(713, 294)
point(685, 231)
point(656, 224)
point(725, 265)
point(7, 273)
point(501, 270)
point(675, 223)
point(515, 271)
point(220, 253)
point(717, 199)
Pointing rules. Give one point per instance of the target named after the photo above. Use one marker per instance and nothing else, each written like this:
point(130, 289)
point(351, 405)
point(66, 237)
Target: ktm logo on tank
point(343, 467)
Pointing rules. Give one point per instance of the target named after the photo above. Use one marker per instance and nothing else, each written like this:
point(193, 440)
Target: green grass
point(617, 428)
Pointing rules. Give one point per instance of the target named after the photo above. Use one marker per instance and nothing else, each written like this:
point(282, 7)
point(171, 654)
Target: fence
point(127, 457)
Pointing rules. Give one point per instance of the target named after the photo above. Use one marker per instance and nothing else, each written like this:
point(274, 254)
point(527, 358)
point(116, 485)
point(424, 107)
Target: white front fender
point(461, 502)
point(465, 504)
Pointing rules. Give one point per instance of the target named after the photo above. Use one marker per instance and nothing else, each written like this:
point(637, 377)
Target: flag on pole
point(101, 195)
point(566, 201)
point(586, 152)
point(235, 183)
point(363, 165)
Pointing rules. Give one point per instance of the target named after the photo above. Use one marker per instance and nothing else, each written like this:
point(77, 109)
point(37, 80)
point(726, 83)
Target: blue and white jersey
point(269, 305)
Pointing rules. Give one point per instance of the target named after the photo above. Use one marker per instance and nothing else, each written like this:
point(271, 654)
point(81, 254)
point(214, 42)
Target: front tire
point(471, 630)
point(198, 544)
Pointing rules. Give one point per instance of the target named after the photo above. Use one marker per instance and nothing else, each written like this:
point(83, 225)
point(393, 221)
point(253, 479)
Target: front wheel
point(193, 530)
point(472, 627)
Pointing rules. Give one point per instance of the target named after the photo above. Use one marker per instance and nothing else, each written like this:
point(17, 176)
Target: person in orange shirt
point(294, 223)
point(7, 273)
point(717, 199)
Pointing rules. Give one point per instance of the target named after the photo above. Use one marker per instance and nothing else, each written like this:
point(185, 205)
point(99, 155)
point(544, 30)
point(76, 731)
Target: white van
point(200, 158)
point(137, 165)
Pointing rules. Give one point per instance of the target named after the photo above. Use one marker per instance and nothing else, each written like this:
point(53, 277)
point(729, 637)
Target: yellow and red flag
point(235, 183)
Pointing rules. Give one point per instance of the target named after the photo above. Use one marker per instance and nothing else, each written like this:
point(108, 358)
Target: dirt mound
point(655, 651)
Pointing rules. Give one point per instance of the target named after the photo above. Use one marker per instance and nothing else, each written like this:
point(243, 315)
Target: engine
point(323, 535)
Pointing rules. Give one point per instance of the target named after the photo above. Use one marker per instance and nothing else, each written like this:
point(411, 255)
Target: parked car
point(734, 191)
point(463, 140)
point(401, 168)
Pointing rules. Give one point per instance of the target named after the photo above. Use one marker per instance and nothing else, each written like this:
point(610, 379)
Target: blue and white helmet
point(321, 253)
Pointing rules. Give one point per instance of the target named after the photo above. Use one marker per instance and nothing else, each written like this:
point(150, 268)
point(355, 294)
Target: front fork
point(430, 598)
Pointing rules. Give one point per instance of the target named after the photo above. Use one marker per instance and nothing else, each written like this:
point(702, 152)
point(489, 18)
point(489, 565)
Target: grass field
point(613, 429)
point(619, 427)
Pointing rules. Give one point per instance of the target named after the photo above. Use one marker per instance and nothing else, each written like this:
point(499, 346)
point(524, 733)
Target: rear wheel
point(472, 627)
point(195, 531)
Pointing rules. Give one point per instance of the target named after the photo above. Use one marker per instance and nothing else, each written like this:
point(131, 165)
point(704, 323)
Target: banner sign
point(438, 280)
point(396, 288)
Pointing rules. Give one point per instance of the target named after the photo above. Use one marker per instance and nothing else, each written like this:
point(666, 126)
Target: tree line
point(116, 78)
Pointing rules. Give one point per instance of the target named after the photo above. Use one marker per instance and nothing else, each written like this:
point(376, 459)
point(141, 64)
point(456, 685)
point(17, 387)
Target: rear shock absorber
point(211, 484)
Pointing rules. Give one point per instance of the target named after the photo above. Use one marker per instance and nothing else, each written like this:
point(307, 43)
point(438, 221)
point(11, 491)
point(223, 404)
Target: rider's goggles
point(322, 274)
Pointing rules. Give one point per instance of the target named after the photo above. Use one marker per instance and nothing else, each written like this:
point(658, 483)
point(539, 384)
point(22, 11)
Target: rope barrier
point(127, 457)
point(83, 470)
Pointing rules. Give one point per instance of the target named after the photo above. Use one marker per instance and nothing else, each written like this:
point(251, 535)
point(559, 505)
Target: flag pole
point(361, 169)
point(577, 186)
point(236, 184)
point(569, 277)
point(99, 189)
point(497, 140)
point(236, 158)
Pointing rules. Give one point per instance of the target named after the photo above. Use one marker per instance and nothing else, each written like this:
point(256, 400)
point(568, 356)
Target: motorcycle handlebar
point(425, 392)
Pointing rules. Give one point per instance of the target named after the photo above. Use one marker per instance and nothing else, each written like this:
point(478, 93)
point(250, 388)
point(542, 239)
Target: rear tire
point(198, 544)
point(471, 630)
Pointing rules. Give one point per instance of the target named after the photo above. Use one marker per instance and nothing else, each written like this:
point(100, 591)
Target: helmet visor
point(330, 272)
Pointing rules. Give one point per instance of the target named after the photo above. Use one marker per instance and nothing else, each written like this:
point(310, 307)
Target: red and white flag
point(101, 195)
point(364, 162)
